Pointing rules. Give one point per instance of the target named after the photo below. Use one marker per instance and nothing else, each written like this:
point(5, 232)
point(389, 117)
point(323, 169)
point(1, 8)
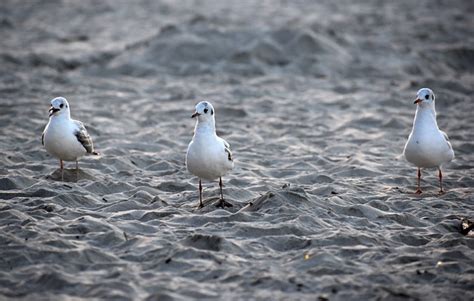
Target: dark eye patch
point(205, 110)
point(427, 96)
point(61, 106)
point(212, 112)
point(432, 97)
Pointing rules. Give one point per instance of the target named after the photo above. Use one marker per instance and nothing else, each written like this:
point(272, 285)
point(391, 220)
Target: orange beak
point(417, 101)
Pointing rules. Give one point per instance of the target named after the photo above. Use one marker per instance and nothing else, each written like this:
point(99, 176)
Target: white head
point(204, 112)
point(425, 97)
point(59, 107)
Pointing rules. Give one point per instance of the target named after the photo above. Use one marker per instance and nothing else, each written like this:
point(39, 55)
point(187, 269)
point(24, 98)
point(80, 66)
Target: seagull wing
point(84, 138)
point(447, 138)
point(42, 138)
point(445, 135)
point(227, 150)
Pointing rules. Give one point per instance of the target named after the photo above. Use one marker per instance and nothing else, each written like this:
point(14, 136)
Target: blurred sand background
point(316, 100)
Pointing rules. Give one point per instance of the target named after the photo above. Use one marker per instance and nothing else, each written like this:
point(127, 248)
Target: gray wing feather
point(84, 138)
point(227, 150)
point(447, 139)
point(445, 135)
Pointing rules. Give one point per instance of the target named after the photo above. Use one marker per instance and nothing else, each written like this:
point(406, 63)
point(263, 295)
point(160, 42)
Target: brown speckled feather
point(84, 138)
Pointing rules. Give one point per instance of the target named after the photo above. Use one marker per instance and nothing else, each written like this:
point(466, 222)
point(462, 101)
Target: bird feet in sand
point(418, 191)
point(223, 203)
point(441, 192)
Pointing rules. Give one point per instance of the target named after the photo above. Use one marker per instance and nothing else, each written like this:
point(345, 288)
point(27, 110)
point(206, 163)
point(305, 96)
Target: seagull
point(208, 157)
point(65, 138)
point(427, 145)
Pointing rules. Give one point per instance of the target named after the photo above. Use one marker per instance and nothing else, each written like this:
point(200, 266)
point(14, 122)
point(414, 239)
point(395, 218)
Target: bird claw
point(222, 204)
point(418, 191)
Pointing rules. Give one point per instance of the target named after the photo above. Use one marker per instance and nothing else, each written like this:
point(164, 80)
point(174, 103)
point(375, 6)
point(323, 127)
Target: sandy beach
point(316, 100)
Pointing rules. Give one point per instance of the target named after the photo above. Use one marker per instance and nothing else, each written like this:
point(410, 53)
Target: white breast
point(206, 157)
point(426, 146)
point(428, 152)
point(60, 141)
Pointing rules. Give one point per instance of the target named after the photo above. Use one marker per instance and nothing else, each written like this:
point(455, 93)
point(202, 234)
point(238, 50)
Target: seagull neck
point(60, 118)
point(205, 127)
point(425, 117)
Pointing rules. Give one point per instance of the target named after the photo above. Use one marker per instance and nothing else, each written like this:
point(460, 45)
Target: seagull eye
point(205, 111)
point(61, 106)
point(427, 96)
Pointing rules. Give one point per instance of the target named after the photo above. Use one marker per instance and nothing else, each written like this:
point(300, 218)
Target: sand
point(316, 99)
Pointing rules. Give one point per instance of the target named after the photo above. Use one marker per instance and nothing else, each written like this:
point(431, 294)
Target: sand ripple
point(316, 102)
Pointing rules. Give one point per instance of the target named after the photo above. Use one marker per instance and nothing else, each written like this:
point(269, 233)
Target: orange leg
point(440, 175)
point(220, 185)
point(222, 203)
point(62, 169)
point(418, 191)
point(200, 195)
point(77, 170)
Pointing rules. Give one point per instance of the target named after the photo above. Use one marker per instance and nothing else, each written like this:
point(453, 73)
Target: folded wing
point(227, 150)
point(447, 139)
point(84, 138)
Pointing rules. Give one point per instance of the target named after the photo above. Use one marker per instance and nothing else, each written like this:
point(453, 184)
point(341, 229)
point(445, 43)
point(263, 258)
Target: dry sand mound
point(316, 101)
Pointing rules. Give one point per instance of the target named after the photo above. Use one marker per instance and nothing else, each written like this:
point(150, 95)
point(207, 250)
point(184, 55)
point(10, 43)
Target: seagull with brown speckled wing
point(65, 138)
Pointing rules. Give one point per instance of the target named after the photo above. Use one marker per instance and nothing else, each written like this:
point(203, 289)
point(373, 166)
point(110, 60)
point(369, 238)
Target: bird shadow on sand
point(252, 205)
point(213, 203)
point(69, 175)
point(424, 194)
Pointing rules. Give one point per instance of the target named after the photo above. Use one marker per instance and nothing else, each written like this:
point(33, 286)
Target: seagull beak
point(52, 110)
point(196, 114)
point(417, 101)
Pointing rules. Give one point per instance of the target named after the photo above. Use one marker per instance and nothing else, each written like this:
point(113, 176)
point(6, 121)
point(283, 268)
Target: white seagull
point(427, 145)
point(65, 138)
point(208, 156)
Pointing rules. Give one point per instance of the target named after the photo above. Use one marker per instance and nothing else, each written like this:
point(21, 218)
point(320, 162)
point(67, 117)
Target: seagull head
point(204, 111)
point(59, 107)
point(424, 96)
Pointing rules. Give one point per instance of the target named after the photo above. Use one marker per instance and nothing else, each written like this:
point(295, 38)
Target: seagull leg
point(440, 174)
point(62, 169)
point(200, 195)
point(77, 170)
point(418, 191)
point(220, 185)
point(222, 203)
